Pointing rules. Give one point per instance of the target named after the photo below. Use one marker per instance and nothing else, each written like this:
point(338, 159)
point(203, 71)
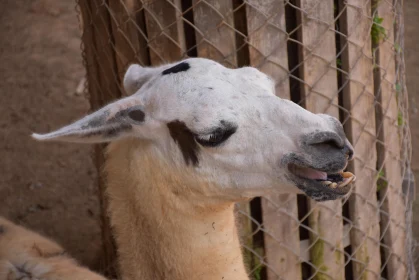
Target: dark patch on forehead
point(185, 140)
point(181, 67)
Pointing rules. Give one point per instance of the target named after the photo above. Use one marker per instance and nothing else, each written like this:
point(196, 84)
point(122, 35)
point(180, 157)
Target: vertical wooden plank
point(103, 87)
point(282, 240)
point(320, 94)
point(130, 45)
point(215, 35)
point(166, 38)
point(267, 39)
point(358, 99)
point(393, 225)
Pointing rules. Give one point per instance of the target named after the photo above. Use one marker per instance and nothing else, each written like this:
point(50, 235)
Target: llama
point(26, 255)
point(192, 139)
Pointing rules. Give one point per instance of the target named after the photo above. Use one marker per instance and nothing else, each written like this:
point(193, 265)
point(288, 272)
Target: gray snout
point(325, 150)
point(330, 141)
point(335, 138)
point(349, 150)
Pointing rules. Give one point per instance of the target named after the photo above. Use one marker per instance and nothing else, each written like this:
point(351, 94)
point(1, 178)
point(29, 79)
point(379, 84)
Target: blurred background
point(52, 188)
point(48, 188)
point(412, 75)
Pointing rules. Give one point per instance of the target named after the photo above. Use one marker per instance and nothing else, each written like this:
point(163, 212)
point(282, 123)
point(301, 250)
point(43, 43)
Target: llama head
point(228, 126)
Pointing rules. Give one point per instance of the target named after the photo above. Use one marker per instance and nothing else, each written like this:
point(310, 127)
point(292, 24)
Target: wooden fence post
point(267, 41)
point(393, 205)
point(215, 34)
point(320, 95)
point(359, 100)
point(166, 37)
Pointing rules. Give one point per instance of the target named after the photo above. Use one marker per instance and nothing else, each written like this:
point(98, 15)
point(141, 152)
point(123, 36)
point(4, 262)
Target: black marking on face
point(109, 131)
point(181, 67)
point(2, 229)
point(117, 130)
point(136, 115)
point(185, 140)
point(113, 127)
point(97, 120)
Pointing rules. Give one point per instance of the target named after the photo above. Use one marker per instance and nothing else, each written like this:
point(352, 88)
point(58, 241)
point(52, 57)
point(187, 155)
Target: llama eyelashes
point(216, 137)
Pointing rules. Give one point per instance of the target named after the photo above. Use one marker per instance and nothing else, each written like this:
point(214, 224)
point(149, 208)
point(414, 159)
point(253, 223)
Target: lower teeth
point(348, 177)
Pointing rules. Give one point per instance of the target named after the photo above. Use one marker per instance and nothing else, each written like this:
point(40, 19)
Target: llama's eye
point(215, 138)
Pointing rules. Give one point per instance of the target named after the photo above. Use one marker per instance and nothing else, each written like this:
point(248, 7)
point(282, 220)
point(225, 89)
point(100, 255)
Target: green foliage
point(257, 265)
point(257, 273)
point(378, 32)
point(381, 180)
point(339, 62)
point(400, 120)
point(317, 258)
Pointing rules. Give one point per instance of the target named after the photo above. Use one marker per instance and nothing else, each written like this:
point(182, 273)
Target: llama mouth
point(336, 181)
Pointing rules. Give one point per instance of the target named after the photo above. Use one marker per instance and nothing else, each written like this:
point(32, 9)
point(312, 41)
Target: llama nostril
point(327, 138)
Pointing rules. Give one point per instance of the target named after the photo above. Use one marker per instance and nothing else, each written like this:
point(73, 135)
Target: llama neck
point(165, 227)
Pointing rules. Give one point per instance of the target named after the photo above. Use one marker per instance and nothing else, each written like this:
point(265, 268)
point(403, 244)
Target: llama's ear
point(136, 76)
point(124, 117)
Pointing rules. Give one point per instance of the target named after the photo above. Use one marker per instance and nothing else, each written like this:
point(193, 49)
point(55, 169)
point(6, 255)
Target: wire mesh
point(343, 58)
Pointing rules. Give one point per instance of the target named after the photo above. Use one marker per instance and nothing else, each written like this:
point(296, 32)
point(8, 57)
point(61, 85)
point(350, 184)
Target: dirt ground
point(46, 187)
point(51, 187)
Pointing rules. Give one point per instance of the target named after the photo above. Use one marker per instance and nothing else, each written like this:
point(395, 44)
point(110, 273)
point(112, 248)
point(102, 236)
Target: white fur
point(268, 126)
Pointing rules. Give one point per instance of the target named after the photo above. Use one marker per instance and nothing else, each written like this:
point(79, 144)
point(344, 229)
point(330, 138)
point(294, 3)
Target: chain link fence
point(343, 58)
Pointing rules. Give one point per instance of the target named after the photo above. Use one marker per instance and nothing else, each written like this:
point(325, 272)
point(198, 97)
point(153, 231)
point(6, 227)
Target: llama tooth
point(347, 174)
point(327, 183)
point(333, 185)
point(347, 181)
point(344, 183)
